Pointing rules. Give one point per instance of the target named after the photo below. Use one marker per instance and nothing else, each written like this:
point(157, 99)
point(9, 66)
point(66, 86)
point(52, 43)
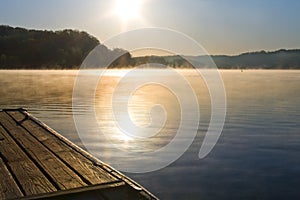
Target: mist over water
point(256, 157)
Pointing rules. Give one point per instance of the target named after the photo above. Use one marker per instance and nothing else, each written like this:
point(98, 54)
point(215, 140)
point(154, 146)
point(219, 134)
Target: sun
point(128, 9)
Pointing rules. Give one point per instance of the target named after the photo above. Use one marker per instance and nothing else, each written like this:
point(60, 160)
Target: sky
point(221, 26)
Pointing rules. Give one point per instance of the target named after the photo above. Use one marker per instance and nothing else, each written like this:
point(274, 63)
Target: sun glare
point(128, 9)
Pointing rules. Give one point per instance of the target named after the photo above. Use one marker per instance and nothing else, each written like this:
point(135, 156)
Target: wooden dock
point(38, 163)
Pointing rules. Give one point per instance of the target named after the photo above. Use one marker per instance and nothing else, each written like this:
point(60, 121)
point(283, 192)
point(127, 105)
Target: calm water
point(256, 157)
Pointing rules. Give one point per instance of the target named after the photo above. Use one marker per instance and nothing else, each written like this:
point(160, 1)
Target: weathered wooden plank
point(89, 192)
point(9, 188)
point(94, 174)
point(85, 165)
point(60, 174)
point(61, 138)
point(1, 137)
point(31, 179)
point(125, 192)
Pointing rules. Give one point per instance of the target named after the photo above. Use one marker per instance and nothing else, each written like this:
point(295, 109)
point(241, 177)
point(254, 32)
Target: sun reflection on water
point(140, 106)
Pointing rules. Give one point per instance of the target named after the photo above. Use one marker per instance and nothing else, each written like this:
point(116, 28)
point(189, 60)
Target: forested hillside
point(281, 59)
point(34, 49)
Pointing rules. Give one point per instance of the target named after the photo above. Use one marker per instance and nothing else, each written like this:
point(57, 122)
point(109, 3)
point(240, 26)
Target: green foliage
point(123, 58)
point(157, 61)
point(281, 59)
point(31, 49)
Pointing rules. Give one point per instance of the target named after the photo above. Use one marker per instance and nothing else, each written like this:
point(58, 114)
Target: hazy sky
point(220, 26)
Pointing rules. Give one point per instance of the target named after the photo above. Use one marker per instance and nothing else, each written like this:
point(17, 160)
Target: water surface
point(256, 157)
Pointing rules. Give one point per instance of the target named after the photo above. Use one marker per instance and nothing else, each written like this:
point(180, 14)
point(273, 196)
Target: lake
point(256, 157)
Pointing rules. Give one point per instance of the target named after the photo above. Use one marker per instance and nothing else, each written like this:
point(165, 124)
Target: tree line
point(280, 59)
point(21, 48)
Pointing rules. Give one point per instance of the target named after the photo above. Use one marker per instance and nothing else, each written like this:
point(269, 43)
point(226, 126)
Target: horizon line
point(220, 54)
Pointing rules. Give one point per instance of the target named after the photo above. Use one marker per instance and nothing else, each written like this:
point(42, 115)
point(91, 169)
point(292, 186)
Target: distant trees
point(281, 59)
point(123, 59)
point(158, 60)
point(22, 48)
point(32, 49)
